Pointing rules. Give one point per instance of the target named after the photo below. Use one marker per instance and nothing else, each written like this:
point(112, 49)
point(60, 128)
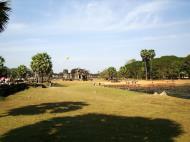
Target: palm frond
point(4, 17)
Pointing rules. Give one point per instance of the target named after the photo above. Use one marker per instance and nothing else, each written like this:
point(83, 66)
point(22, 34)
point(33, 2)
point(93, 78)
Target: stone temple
point(76, 74)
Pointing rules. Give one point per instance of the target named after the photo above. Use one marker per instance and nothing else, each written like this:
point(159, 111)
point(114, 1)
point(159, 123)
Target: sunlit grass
point(75, 102)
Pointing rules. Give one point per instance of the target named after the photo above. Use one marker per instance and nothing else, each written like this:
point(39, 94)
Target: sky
point(94, 34)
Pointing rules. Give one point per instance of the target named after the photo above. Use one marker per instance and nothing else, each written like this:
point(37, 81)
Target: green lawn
point(81, 112)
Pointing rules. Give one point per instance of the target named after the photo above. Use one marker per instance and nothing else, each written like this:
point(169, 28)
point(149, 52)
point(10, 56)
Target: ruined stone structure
point(66, 75)
point(76, 74)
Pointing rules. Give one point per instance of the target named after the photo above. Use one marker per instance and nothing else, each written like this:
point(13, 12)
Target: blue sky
point(94, 34)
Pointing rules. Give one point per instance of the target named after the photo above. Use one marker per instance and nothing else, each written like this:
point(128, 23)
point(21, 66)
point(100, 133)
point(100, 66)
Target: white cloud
point(97, 16)
point(165, 37)
point(142, 16)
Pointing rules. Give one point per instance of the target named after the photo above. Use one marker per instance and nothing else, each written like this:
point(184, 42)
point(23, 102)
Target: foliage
point(122, 73)
point(2, 68)
point(109, 73)
point(41, 65)
point(131, 61)
point(104, 74)
point(2, 61)
point(4, 71)
point(22, 71)
point(13, 73)
point(147, 56)
point(4, 9)
point(112, 72)
point(132, 70)
point(186, 65)
point(165, 67)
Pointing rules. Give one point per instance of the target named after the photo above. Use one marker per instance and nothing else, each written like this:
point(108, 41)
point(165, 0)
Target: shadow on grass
point(6, 90)
point(177, 91)
point(96, 128)
point(59, 85)
point(58, 107)
point(180, 92)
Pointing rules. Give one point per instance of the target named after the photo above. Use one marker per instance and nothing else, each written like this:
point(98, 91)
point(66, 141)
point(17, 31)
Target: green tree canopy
point(2, 61)
point(13, 73)
point(22, 71)
point(112, 72)
point(41, 65)
point(131, 61)
point(123, 72)
point(147, 56)
point(2, 68)
point(167, 67)
point(109, 73)
point(186, 65)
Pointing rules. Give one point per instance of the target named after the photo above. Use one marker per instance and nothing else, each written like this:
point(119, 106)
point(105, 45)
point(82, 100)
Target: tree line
point(165, 67)
point(41, 65)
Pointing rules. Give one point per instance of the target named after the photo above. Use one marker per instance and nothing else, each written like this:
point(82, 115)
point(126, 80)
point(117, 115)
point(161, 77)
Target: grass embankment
point(82, 112)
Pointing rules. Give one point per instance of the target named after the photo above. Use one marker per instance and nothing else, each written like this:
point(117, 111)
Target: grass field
point(82, 112)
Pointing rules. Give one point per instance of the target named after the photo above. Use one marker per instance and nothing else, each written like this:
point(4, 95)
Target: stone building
point(66, 75)
point(76, 74)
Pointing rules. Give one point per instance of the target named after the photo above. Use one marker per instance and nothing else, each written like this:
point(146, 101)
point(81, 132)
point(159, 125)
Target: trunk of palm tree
point(146, 70)
point(42, 78)
point(36, 76)
point(150, 69)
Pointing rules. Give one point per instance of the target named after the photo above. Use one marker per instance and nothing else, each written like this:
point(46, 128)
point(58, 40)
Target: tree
point(112, 73)
point(145, 55)
point(131, 61)
point(41, 65)
point(104, 74)
point(4, 9)
point(134, 70)
point(109, 73)
point(13, 73)
point(22, 71)
point(186, 65)
point(2, 61)
point(167, 67)
point(152, 55)
point(4, 71)
point(123, 72)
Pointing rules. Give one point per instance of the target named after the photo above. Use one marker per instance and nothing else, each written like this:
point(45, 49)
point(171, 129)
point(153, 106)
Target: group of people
point(4, 80)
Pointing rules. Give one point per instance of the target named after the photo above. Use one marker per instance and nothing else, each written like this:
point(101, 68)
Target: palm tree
point(4, 17)
point(2, 61)
point(152, 55)
point(41, 65)
point(22, 71)
point(145, 55)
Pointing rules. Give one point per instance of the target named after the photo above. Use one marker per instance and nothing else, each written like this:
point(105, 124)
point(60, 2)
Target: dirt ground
point(147, 83)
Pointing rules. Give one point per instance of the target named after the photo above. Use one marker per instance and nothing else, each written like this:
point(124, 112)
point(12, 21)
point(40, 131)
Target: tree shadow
point(6, 90)
point(180, 92)
point(56, 107)
point(175, 91)
point(96, 128)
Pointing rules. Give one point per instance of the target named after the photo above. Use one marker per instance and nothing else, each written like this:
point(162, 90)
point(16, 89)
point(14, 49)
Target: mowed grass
point(82, 112)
